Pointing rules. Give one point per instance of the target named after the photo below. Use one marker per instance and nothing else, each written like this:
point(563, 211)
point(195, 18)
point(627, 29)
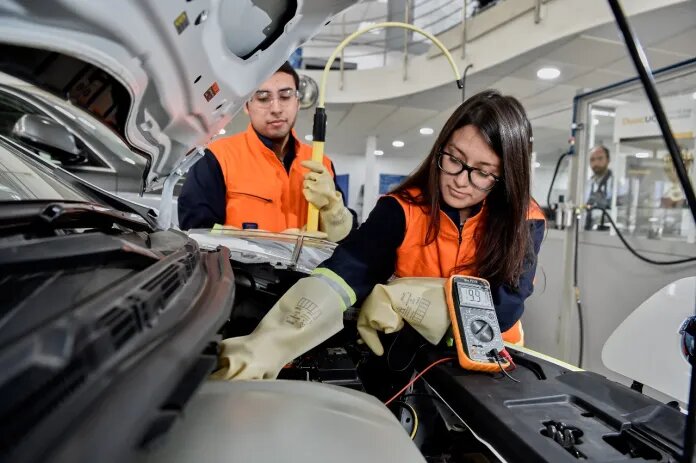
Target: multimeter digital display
point(471, 294)
point(474, 323)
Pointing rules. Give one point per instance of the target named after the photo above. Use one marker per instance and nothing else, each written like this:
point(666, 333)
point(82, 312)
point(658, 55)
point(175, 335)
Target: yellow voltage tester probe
point(319, 129)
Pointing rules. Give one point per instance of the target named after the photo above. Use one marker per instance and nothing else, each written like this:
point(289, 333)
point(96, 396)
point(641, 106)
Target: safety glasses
point(265, 98)
point(480, 179)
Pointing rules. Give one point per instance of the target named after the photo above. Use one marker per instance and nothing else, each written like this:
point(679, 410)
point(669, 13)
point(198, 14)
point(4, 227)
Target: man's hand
point(320, 190)
point(318, 186)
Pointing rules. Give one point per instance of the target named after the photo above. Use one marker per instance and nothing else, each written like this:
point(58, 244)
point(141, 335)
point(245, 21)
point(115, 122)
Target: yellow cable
point(318, 146)
point(354, 35)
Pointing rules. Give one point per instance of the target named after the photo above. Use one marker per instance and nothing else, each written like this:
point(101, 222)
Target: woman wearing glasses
point(466, 210)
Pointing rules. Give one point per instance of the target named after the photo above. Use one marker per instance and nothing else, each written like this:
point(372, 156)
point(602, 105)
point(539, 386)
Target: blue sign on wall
point(387, 182)
point(343, 182)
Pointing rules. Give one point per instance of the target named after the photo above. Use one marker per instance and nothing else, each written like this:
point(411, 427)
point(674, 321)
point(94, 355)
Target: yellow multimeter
point(474, 323)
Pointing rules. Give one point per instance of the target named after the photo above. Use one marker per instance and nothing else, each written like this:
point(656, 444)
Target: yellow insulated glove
point(308, 314)
point(419, 301)
point(320, 190)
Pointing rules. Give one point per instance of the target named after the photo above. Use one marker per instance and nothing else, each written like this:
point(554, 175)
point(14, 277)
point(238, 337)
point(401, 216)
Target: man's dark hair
point(606, 151)
point(287, 68)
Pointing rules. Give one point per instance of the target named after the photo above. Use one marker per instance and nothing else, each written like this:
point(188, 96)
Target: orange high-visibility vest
point(447, 252)
point(259, 190)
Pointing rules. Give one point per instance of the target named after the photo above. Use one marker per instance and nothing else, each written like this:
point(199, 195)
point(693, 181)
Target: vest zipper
point(459, 244)
point(460, 228)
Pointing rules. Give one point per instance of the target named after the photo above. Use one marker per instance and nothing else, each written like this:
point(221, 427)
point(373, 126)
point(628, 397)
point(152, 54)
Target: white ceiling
point(591, 60)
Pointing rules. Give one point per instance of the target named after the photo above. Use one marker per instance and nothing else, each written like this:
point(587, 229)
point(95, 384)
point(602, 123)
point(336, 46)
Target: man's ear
point(246, 108)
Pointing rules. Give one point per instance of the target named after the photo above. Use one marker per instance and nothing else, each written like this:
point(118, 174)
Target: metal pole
point(406, 32)
point(537, 12)
point(466, 8)
point(343, 32)
point(641, 63)
point(464, 81)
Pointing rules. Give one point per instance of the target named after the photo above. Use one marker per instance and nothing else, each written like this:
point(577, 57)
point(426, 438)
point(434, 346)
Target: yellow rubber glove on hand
point(419, 301)
point(320, 190)
point(308, 314)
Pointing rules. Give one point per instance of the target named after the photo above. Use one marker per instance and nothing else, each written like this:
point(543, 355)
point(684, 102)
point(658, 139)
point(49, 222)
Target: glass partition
point(626, 164)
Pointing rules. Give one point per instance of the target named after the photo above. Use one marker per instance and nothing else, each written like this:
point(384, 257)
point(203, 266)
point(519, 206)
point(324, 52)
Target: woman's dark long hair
point(503, 238)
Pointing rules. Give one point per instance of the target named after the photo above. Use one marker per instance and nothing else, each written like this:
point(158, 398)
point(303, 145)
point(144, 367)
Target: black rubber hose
point(553, 179)
point(577, 292)
point(635, 253)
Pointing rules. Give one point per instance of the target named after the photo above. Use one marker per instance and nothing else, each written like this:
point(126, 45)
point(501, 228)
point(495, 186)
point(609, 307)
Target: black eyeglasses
point(480, 179)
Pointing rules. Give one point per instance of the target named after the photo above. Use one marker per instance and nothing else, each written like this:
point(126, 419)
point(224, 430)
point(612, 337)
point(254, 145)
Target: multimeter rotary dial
point(482, 331)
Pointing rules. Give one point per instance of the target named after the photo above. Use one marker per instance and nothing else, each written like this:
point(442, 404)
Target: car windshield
point(25, 179)
point(95, 129)
point(87, 136)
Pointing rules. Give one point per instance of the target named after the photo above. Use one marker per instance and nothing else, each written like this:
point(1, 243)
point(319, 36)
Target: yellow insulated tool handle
point(313, 213)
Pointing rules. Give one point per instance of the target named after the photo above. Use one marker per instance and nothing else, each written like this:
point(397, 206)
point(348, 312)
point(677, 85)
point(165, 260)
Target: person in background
point(264, 178)
point(466, 210)
point(599, 188)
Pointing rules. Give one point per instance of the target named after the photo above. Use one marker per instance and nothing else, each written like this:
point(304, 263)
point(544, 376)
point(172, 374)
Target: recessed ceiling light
point(595, 121)
point(642, 155)
point(222, 132)
point(398, 144)
point(309, 137)
point(548, 73)
point(379, 152)
point(426, 131)
point(693, 95)
point(537, 165)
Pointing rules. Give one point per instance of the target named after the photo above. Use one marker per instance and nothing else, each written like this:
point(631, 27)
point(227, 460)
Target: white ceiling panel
point(588, 51)
point(404, 119)
point(684, 43)
point(597, 78)
point(520, 88)
point(365, 117)
point(559, 93)
point(656, 58)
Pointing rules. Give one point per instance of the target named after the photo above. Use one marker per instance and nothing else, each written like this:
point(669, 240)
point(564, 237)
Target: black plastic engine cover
point(555, 415)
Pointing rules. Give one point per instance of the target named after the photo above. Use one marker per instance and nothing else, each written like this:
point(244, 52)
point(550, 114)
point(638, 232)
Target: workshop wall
point(355, 167)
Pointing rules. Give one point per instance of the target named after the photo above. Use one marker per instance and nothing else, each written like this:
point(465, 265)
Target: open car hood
point(165, 75)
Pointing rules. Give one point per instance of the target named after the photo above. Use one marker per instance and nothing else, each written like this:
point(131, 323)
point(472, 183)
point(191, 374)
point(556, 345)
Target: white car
point(110, 322)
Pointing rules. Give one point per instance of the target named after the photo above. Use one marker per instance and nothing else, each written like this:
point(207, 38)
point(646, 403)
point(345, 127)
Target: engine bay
point(544, 412)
